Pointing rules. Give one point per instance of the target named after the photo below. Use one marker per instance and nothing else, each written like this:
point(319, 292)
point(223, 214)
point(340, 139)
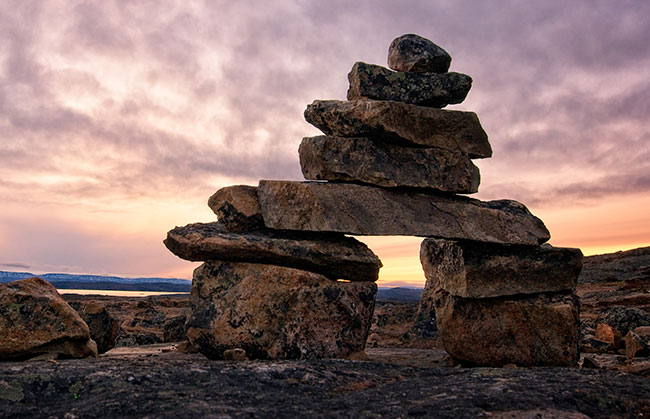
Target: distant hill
point(98, 282)
point(399, 294)
point(116, 283)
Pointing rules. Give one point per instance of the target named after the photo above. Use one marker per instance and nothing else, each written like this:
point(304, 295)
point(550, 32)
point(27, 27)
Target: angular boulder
point(103, 326)
point(35, 320)
point(481, 270)
point(539, 330)
point(273, 312)
point(412, 52)
point(368, 210)
point(332, 255)
point(606, 333)
point(401, 123)
point(237, 208)
point(637, 342)
point(387, 165)
point(369, 81)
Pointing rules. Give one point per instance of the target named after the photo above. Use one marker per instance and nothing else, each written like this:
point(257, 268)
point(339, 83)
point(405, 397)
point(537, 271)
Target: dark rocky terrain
point(404, 371)
point(170, 384)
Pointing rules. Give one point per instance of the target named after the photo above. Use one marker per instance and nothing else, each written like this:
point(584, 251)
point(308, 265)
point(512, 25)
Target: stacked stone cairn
point(281, 279)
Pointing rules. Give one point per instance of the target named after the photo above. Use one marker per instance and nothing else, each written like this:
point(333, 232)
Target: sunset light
point(119, 120)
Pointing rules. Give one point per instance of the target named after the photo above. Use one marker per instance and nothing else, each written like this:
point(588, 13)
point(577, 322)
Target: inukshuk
point(391, 163)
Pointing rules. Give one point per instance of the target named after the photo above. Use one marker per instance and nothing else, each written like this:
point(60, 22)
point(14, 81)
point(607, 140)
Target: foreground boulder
point(480, 270)
point(367, 210)
point(368, 81)
point(332, 255)
point(412, 52)
point(533, 330)
point(35, 320)
point(274, 312)
point(381, 164)
point(401, 123)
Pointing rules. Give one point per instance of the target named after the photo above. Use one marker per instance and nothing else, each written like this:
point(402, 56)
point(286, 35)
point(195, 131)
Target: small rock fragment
point(235, 354)
point(412, 52)
point(637, 342)
point(237, 208)
point(607, 333)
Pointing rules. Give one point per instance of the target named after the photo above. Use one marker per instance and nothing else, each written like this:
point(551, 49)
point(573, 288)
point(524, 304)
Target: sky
point(119, 119)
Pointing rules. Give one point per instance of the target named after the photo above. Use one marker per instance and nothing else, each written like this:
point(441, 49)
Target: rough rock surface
point(412, 52)
point(237, 208)
point(480, 270)
point(103, 327)
point(35, 320)
point(142, 320)
point(624, 318)
point(368, 81)
point(273, 312)
point(609, 334)
point(526, 331)
point(387, 165)
point(629, 266)
point(332, 255)
point(401, 123)
point(637, 342)
point(172, 385)
point(367, 210)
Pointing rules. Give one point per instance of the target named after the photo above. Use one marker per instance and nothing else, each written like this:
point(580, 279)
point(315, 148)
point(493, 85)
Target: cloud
point(106, 103)
point(14, 265)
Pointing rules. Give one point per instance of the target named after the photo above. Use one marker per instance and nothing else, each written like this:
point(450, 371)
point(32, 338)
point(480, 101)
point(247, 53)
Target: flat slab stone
point(480, 270)
point(35, 320)
point(368, 81)
point(412, 52)
point(539, 330)
point(368, 210)
point(332, 255)
point(401, 123)
point(237, 208)
point(388, 165)
point(274, 312)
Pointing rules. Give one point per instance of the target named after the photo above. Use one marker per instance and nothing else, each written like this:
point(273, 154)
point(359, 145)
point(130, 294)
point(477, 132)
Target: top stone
point(414, 53)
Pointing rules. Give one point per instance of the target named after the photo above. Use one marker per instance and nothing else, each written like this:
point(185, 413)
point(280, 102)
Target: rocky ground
point(406, 373)
point(159, 382)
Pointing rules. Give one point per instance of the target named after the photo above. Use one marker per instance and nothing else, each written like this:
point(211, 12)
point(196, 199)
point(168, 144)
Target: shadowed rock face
point(382, 164)
point(436, 90)
point(103, 327)
point(367, 210)
point(414, 53)
point(480, 270)
point(34, 320)
point(237, 208)
point(274, 312)
point(401, 123)
point(533, 330)
point(332, 255)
